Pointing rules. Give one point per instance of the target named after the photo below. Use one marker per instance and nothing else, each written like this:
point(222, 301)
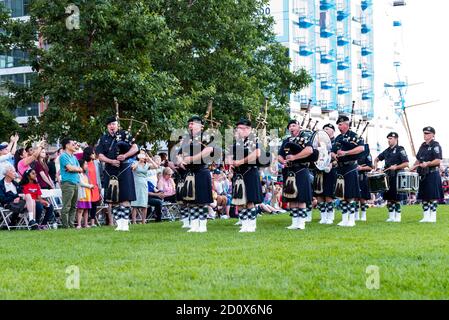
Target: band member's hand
point(237, 163)
point(16, 200)
point(283, 162)
point(187, 159)
point(121, 157)
point(44, 203)
point(413, 168)
point(341, 153)
point(14, 138)
point(424, 165)
point(393, 167)
point(290, 157)
point(359, 168)
point(115, 163)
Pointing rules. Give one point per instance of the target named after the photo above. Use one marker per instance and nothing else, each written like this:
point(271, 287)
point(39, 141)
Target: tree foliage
point(162, 59)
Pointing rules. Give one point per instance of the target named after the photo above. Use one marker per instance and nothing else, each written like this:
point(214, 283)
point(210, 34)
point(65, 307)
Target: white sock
point(30, 216)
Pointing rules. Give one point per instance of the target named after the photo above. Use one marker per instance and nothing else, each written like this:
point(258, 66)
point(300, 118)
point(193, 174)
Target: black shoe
point(33, 225)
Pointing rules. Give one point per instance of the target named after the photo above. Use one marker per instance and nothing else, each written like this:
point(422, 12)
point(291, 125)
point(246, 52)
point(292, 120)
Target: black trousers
point(157, 204)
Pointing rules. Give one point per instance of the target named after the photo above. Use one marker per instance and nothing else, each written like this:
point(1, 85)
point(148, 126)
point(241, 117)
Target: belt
point(346, 163)
point(299, 164)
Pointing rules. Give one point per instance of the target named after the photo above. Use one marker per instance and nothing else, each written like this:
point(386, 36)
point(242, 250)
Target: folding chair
point(54, 196)
point(100, 217)
point(5, 216)
point(170, 211)
point(5, 220)
point(151, 213)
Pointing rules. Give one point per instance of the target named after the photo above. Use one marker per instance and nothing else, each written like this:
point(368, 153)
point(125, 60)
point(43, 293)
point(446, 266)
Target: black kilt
point(253, 185)
point(351, 176)
point(124, 173)
point(363, 183)
point(329, 181)
point(430, 187)
point(203, 187)
point(392, 193)
point(303, 184)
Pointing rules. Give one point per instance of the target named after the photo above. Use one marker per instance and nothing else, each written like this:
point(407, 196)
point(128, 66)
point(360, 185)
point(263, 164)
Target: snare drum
point(377, 182)
point(407, 182)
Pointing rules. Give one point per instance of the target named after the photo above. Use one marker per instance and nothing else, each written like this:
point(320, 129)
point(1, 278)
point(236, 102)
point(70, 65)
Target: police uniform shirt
point(347, 142)
point(393, 156)
point(293, 145)
point(429, 152)
point(108, 145)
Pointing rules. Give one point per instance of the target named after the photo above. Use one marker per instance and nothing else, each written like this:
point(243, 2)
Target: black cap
point(429, 129)
point(195, 118)
point(329, 125)
point(244, 122)
point(111, 119)
point(3, 146)
point(393, 135)
point(216, 171)
point(342, 119)
point(291, 121)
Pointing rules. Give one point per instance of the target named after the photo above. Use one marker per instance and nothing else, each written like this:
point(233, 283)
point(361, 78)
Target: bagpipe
point(319, 139)
point(124, 139)
point(123, 142)
point(355, 139)
point(264, 160)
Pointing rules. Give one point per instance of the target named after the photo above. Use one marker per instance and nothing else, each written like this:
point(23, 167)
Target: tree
point(228, 51)
point(80, 71)
point(162, 59)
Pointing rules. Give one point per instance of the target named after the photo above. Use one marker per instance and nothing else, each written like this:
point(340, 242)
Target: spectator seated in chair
point(155, 199)
point(166, 184)
point(30, 186)
point(12, 197)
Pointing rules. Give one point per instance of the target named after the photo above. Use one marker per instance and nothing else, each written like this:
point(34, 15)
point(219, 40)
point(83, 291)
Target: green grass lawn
point(162, 261)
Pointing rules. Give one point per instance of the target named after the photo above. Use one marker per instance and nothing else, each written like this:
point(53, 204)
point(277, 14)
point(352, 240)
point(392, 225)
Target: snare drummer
point(345, 151)
point(365, 164)
point(293, 154)
point(395, 160)
point(427, 165)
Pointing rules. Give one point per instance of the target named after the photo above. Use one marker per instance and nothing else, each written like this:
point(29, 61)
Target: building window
point(32, 110)
point(18, 8)
point(21, 79)
point(14, 58)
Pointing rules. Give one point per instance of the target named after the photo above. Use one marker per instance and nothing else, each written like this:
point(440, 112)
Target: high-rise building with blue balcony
point(333, 41)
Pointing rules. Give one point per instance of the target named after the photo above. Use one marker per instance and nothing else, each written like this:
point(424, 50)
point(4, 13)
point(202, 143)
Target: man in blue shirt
point(70, 170)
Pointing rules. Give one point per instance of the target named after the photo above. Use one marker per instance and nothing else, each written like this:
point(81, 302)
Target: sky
point(422, 48)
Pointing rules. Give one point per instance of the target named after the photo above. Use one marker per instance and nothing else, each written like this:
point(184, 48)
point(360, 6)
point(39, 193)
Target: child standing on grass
point(84, 196)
